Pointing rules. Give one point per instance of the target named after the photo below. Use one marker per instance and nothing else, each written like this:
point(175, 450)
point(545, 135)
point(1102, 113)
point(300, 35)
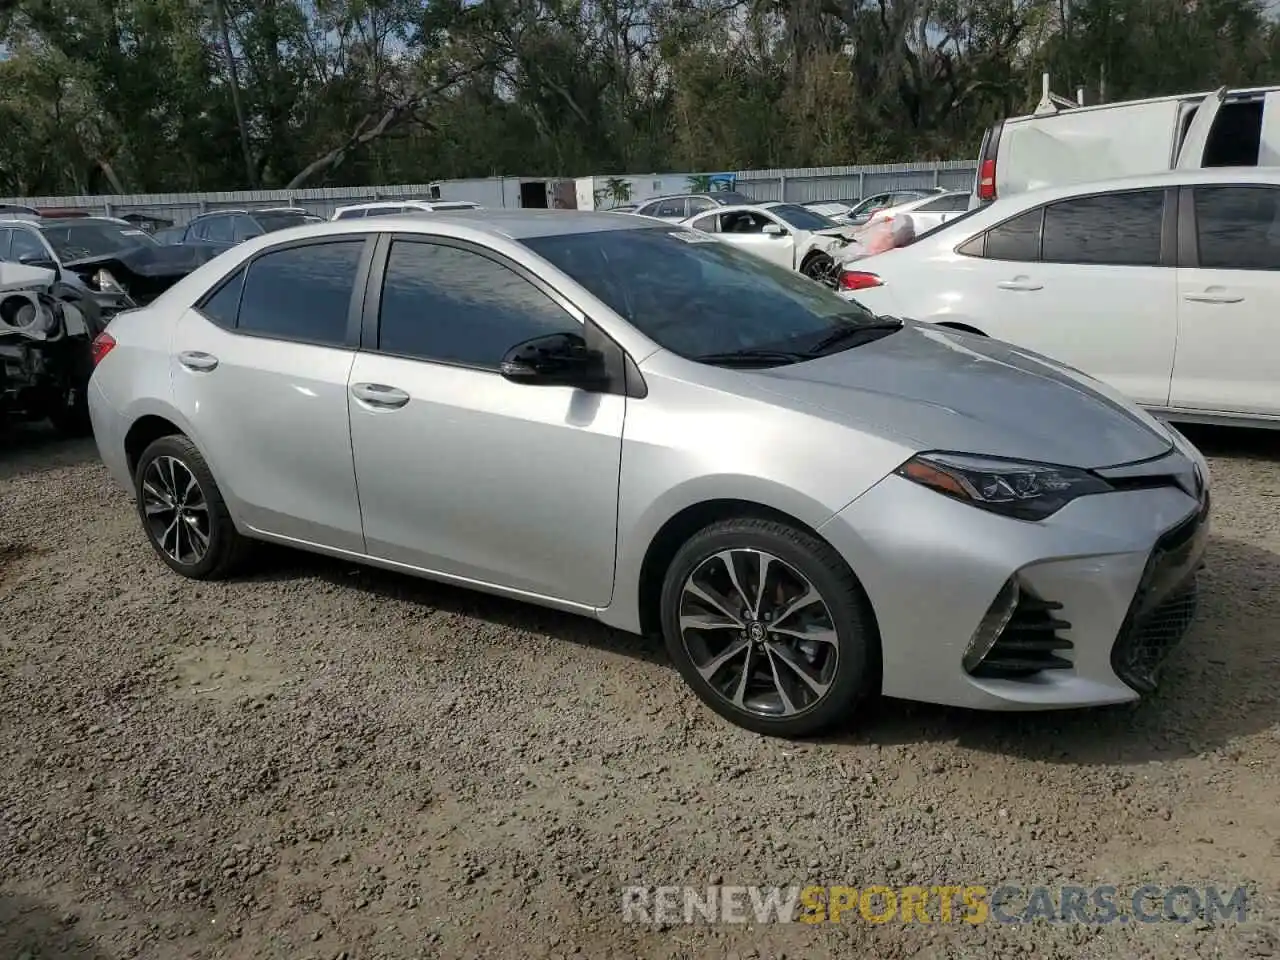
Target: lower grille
point(1029, 642)
point(1164, 605)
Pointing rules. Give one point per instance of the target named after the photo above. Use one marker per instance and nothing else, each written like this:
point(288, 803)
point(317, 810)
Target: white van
point(1063, 143)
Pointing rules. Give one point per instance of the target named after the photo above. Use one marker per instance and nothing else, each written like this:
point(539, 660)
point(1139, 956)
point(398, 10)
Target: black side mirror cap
point(557, 359)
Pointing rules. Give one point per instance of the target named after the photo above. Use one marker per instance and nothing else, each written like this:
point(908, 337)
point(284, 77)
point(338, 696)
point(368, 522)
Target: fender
point(636, 534)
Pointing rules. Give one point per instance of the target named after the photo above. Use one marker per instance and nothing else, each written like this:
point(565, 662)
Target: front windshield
point(78, 241)
point(802, 218)
point(696, 296)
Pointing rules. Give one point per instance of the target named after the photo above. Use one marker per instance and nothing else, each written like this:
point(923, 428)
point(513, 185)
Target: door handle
point(1020, 283)
point(380, 395)
point(1213, 296)
point(197, 361)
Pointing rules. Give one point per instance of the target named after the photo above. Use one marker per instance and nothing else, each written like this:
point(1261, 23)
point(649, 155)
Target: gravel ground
point(320, 761)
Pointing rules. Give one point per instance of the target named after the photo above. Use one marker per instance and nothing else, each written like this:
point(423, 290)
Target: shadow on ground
point(31, 931)
point(30, 449)
point(1251, 444)
point(272, 563)
point(1218, 686)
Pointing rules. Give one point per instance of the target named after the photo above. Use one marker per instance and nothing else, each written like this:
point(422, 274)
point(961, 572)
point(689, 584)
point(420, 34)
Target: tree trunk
point(233, 75)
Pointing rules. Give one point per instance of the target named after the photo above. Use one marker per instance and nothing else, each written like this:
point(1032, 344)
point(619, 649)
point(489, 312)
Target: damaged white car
point(47, 328)
point(787, 234)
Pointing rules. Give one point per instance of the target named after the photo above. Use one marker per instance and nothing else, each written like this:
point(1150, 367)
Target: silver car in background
point(636, 422)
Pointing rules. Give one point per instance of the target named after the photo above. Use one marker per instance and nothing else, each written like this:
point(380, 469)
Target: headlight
point(106, 283)
point(1027, 491)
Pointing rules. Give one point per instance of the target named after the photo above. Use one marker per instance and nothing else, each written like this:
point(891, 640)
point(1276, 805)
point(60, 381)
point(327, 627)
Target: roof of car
point(1165, 178)
point(511, 224)
point(60, 221)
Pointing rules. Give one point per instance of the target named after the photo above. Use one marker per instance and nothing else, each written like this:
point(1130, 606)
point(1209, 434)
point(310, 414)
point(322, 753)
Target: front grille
point(1164, 605)
point(1029, 642)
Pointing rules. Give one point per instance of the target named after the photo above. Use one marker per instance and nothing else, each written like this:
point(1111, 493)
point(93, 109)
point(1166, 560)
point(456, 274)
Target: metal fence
point(797, 185)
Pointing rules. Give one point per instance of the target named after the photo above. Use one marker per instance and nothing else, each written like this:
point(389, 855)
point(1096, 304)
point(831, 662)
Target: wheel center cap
point(755, 631)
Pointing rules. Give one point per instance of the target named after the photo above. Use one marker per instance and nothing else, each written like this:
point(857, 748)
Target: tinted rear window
point(1121, 229)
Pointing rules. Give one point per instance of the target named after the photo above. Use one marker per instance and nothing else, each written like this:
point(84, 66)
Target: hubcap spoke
point(710, 669)
point(716, 603)
point(703, 621)
point(821, 635)
point(740, 695)
point(810, 596)
point(787, 705)
point(762, 584)
point(785, 655)
point(727, 558)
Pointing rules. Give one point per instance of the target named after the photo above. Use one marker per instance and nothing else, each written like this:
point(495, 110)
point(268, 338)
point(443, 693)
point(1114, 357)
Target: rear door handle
point(1020, 283)
point(1213, 296)
point(197, 361)
point(379, 395)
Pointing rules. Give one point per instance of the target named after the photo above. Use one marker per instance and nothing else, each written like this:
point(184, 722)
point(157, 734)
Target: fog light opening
point(993, 623)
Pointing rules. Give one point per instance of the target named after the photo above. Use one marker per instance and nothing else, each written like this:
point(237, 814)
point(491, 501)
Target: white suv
point(383, 208)
point(1165, 286)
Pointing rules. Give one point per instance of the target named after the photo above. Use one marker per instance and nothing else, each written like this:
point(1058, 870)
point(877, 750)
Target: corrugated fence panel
point(800, 184)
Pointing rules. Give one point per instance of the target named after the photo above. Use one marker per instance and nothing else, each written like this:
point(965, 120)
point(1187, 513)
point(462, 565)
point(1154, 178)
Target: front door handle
point(1213, 295)
point(379, 395)
point(197, 361)
point(1020, 283)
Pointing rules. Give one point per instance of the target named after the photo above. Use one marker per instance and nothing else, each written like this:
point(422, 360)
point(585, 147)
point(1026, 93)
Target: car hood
point(946, 390)
point(176, 260)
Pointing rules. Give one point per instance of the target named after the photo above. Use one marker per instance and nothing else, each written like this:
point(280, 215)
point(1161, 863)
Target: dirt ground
point(316, 760)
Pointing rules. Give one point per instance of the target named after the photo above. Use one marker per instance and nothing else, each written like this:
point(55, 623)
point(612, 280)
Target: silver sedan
point(638, 423)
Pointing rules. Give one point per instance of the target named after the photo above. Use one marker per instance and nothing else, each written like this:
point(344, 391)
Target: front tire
point(769, 627)
point(820, 267)
point(183, 513)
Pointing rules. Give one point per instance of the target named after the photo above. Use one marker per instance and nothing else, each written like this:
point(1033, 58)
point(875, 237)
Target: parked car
point(1064, 143)
point(787, 234)
point(16, 211)
point(227, 228)
point(683, 206)
point(628, 420)
point(386, 207)
point(110, 260)
point(622, 208)
point(835, 209)
point(1165, 286)
point(927, 212)
point(862, 212)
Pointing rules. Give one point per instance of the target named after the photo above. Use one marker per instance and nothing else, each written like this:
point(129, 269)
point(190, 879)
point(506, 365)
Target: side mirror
point(774, 230)
point(557, 359)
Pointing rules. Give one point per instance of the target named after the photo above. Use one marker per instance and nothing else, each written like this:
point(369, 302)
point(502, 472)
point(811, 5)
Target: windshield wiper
point(752, 357)
point(855, 335)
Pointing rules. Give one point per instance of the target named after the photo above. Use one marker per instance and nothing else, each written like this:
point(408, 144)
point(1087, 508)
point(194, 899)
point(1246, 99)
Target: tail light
point(103, 344)
point(859, 280)
point(987, 180)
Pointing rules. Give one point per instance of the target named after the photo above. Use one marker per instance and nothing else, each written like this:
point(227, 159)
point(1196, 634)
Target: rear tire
point(809, 634)
point(183, 513)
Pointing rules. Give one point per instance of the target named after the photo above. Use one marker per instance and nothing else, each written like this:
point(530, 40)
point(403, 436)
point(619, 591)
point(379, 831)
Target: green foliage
point(176, 95)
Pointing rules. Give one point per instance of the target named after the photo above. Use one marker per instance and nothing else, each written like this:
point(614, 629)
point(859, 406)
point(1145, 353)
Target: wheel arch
point(677, 530)
point(148, 422)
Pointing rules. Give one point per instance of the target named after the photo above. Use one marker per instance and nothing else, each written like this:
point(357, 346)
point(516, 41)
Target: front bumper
point(1118, 569)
